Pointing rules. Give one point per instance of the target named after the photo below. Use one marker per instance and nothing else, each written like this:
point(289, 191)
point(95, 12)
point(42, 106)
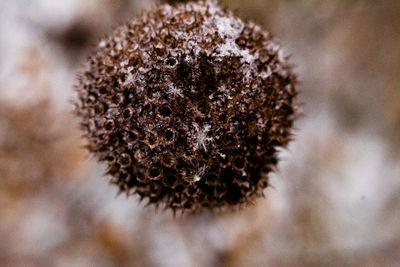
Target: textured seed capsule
point(188, 104)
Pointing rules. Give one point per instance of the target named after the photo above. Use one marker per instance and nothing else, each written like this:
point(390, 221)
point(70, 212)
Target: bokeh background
point(335, 200)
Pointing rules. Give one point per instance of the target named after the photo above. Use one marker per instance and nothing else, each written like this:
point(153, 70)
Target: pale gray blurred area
point(335, 200)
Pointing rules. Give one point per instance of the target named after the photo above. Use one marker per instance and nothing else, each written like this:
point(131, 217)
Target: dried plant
point(187, 105)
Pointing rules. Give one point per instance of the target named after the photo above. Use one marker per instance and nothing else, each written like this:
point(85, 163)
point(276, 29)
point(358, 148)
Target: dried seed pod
point(194, 100)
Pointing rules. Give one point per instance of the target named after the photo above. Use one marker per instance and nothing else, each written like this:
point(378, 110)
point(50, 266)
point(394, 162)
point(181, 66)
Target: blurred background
point(334, 202)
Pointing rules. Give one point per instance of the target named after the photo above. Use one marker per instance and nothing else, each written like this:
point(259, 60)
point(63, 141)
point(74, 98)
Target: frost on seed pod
point(188, 105)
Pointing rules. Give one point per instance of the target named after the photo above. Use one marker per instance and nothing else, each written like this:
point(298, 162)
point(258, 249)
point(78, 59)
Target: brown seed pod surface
point(187, 105)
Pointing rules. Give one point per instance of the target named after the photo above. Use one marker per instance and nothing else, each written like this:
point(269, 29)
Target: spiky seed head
point(187, 105)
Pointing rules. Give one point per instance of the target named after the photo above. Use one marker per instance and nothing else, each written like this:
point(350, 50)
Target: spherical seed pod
point(194, 105)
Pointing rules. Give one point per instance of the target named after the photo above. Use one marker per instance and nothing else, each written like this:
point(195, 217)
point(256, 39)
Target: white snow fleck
point(265, 74)
point(102, 44)
point(118, 46)
point(247, 56)
point(229, 48)
point(226, 27)
point(129, 79)
point(112, 112)
point(229, 30)
point(123, 63)
point(174, 91)
point(196, 178)
point(200, 173)
point(200, 137)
